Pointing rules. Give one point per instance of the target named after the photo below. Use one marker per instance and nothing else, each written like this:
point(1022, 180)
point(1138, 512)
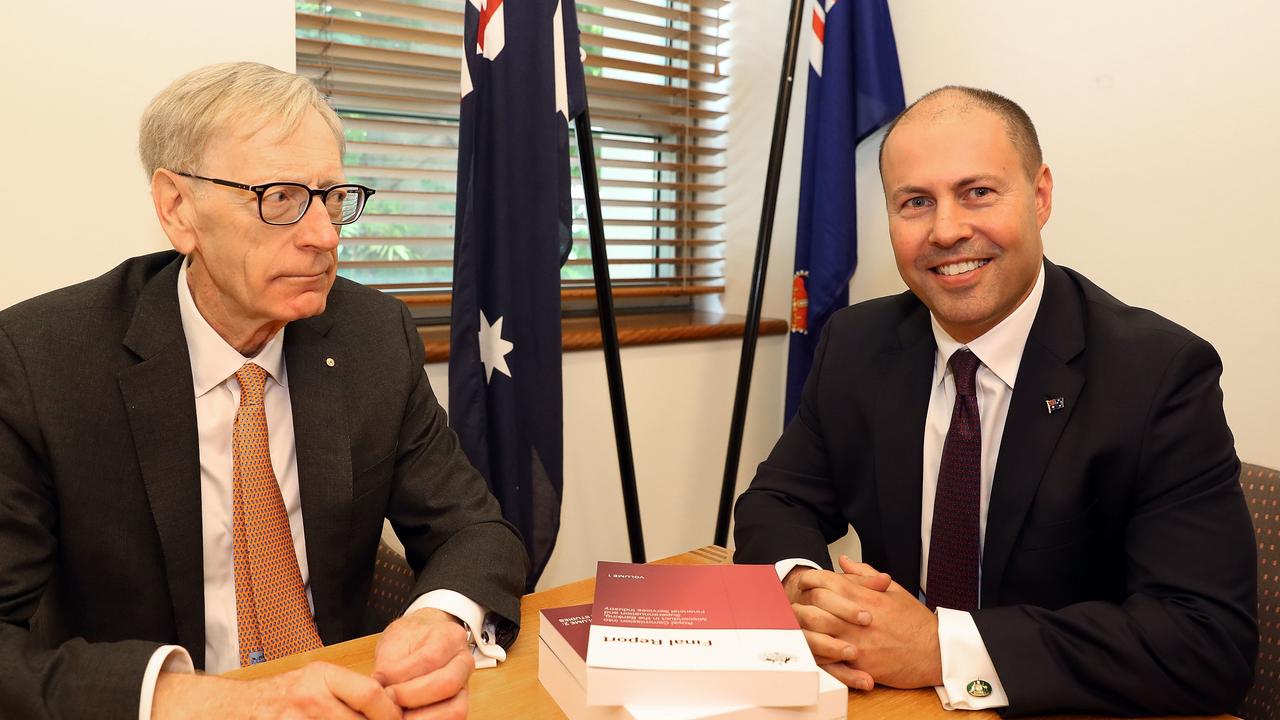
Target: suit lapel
point(901, 405)
point(161, 409)
point(1031, 432)
point(323, 445)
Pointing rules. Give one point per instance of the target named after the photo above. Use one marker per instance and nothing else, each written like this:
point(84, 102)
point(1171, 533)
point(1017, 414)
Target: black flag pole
point(609, 334)
point(759, 271)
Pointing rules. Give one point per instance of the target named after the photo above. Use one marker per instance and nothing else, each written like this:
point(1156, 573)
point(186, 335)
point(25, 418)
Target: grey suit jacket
point(100, 483)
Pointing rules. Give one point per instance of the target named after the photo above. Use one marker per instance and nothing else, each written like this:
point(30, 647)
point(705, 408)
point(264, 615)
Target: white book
point(562, 670)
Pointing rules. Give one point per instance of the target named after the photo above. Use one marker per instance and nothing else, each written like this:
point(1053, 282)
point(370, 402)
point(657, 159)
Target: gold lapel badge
point(978, 688)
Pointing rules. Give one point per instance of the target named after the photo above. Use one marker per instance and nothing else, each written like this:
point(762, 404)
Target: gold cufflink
point(978, 688)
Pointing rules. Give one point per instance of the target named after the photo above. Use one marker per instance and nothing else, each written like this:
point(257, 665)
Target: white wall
point(1158, 120)
point(78, 75)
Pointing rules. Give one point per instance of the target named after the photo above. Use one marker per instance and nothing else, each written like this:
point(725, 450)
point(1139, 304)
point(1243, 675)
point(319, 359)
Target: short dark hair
point(1021, 132)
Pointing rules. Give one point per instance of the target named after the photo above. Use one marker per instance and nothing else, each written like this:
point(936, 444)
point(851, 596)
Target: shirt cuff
point(785, 566)
point(969, 679)
point(167, 658)
point(484, 646)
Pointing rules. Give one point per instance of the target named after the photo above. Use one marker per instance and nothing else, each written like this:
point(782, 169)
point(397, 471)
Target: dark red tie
point(954, 542)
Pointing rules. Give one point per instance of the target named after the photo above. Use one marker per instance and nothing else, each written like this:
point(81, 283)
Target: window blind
point(656, 89)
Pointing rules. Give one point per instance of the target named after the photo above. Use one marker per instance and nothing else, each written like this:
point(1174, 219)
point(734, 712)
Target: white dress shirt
point(217, 397)
point(964, 654)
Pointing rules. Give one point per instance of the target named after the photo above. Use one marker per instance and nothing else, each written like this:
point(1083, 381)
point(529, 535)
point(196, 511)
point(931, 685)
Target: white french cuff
point(481, 630)
point(782, 567)
point(166, 658)
point(969, 679)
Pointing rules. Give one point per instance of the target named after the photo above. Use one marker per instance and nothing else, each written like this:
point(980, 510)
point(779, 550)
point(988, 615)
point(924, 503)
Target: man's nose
point(950, 225)
point(315, 228)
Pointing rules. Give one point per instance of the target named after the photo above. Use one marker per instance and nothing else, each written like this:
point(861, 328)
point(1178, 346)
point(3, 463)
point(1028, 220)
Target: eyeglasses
point(285, 203)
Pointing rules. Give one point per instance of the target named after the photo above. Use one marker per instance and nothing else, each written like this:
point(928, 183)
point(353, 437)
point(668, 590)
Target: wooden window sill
point(583, 333)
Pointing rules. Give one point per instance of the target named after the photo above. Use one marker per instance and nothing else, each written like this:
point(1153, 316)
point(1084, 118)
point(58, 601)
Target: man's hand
point(824, 605)
point(424, 661)
point(318, 690)
point(897, 647)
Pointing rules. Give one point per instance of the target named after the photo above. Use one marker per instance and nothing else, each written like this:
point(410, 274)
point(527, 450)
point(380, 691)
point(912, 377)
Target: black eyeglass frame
point(312, 194)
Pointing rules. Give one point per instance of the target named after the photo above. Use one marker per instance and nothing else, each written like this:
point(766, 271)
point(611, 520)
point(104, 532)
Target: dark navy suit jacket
point(1119, 571)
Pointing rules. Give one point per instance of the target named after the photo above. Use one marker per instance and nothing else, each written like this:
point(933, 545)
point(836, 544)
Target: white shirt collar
point(1000, 348)
point(213, 360)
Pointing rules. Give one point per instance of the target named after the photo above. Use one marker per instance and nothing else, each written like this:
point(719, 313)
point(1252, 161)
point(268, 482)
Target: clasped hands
point(864, 628)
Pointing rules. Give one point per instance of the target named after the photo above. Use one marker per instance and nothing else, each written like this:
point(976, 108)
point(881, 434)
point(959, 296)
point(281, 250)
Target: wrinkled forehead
point(277, 146)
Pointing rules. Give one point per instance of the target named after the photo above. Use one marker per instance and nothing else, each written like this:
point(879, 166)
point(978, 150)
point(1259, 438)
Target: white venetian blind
point(656, 92)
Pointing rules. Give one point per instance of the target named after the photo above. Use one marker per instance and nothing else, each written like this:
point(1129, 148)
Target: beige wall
point(77, 77)
point(1153, 116)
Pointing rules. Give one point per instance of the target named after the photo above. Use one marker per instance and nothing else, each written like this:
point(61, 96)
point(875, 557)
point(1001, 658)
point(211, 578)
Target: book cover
point(562, 655)
point(704, 634)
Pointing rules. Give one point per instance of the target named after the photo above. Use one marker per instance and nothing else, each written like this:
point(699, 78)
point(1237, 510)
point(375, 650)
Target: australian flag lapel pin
point(1055, 404)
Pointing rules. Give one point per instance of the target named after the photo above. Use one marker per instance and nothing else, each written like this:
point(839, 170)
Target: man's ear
point(175, 209)
point(1044, 195)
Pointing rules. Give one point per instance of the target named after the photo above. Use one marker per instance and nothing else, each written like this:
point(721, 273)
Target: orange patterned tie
point(271, 604)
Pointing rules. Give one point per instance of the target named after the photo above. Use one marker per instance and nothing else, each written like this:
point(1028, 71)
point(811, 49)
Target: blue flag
point(521, 83)
point(855, 87)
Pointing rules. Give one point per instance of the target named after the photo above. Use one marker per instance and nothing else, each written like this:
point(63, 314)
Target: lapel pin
point(330, 363)
point(1055, 404)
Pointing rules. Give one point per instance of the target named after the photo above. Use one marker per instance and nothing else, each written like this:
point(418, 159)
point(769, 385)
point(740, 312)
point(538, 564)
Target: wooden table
point(512, 689)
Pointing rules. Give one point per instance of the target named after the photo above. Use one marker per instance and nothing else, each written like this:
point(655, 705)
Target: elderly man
point(1044, 474)
point(198, 449)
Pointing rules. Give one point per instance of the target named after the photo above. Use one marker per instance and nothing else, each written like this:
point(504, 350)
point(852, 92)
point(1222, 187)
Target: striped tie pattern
point(954, 542)
point(272, 614)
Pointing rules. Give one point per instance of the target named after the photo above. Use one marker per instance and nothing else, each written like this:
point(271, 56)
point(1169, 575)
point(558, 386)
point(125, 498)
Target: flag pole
point(609, 334)
point(760, 270)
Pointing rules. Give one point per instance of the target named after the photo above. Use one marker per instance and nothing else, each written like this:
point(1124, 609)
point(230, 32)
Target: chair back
point(393, 582)
point(1262, 491)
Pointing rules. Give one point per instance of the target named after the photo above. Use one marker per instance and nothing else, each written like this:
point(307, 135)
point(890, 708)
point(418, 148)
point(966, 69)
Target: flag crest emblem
point(799, 303)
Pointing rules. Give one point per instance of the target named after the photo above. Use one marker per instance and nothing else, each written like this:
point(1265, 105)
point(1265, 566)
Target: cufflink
point(978, 688)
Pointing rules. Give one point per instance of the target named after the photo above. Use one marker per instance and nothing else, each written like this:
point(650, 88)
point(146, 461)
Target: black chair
point(389, 594)
point(1262, 491)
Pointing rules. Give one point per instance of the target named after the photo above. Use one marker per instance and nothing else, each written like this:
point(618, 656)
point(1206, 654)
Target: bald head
point(957, 100)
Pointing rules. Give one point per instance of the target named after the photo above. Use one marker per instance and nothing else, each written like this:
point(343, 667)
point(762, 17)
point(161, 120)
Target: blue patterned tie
point(954, 543)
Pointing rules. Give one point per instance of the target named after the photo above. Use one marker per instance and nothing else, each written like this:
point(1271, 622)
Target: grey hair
point(181, 120)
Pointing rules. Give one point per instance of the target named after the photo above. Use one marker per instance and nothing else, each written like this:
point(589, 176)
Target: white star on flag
point(493, 349)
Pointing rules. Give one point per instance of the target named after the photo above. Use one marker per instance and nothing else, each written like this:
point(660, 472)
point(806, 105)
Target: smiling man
point(1041, 477)
point(199, 448)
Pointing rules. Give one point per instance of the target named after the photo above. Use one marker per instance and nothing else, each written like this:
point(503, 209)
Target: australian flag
point(522, 83)
point(855, 86)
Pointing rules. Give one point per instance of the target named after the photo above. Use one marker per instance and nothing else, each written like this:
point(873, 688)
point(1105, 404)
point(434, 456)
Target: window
point(655, 87)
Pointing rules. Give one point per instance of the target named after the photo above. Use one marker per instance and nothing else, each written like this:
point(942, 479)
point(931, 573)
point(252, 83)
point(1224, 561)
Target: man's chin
point(306, 305)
